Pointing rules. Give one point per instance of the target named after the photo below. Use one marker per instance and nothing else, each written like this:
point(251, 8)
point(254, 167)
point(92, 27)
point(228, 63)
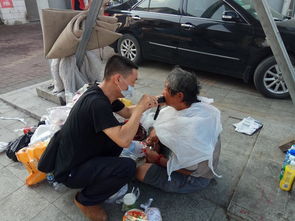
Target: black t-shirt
point(82, 136)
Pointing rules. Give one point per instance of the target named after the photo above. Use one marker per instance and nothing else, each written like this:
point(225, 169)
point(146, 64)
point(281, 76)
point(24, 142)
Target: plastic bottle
point(50, 178)
point(59, 187)
point(56, 185)
point(290, 157)
point(288, 178)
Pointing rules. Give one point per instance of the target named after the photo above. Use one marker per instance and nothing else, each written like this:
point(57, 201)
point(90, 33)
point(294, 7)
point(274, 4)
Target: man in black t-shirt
point(92, 139)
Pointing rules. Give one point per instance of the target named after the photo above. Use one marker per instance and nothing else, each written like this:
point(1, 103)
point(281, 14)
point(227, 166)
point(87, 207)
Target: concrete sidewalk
point(250, 165)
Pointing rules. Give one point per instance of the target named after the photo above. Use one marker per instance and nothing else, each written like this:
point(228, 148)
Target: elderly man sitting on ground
point(189, 129)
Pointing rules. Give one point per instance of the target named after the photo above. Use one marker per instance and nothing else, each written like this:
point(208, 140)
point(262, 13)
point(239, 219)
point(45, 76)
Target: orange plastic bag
point(30, 157)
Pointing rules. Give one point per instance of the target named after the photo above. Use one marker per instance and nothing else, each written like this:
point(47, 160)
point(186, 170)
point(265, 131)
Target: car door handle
point(187, 26)
point(136, 17)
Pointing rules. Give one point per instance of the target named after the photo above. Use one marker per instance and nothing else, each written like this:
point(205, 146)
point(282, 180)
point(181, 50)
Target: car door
point(157, 28)
point(211, 44)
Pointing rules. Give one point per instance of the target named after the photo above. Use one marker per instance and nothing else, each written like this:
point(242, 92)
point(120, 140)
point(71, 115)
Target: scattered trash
point(135, 215)
point(206, 99)
point(14, 118)
point(17, 144)
point(287, 173)
point(42, 133)
point(117, 197)
point(288, 178)
point(134, 151)
point(3, 146)
point(147, 204)
point(30, 157)
point(56, 185)
point(287, 143)
point(129, 199)
point(153, 214)
point(248, 126)
point(289, 159)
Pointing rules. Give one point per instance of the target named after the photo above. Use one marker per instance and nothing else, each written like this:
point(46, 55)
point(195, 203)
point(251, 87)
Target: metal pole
point(89, 24)
point(276, 44)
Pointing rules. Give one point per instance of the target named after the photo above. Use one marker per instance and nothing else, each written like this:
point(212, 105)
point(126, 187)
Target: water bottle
point(290, 157)
point(50, 178)
point(59, 186)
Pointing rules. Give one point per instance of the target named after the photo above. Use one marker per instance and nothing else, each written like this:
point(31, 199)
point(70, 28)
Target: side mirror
point(230, 16)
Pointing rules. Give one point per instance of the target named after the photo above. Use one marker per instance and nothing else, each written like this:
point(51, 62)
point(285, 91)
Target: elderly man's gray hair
point(183, 81)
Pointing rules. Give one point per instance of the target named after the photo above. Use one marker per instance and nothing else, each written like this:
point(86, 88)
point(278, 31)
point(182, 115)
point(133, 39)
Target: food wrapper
point(135, 215)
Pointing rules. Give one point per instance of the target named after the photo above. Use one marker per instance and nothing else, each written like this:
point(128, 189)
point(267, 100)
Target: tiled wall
point(15, 15)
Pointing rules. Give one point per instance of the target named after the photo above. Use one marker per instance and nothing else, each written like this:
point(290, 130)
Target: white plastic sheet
point(191, 134)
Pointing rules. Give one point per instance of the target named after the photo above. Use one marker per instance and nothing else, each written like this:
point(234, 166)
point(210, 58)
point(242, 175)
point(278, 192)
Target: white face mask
point(128, 92)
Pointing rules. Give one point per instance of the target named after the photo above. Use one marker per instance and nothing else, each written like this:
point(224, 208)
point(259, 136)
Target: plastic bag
point(18, 144)
point(42, 133)
point(30, 157)
point(153, 214)
point(58, 115)
point(3, 146)
point(118, 195)
point(134, 151)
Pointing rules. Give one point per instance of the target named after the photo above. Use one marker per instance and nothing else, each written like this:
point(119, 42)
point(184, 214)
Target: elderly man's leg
point(142, 170)
point(156, 176)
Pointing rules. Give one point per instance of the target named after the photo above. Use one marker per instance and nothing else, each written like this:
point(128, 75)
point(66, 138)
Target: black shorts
point(180, 183)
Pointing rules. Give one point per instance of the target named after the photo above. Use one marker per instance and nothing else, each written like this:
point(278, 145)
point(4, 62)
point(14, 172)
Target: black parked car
point(221, 36)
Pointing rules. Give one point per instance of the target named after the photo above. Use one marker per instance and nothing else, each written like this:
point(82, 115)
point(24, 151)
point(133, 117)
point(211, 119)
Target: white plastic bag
point(58, 115)
point(153, 214)
point(134, 151)
point(3, 146)
point(118, 195)
point(191, 134)
point(42, 133)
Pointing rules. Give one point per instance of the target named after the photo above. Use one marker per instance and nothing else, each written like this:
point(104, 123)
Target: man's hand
point(152, 139)
point(146, 102)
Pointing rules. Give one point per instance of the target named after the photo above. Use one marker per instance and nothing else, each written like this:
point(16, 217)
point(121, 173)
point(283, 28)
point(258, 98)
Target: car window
point(216, 10)
point(197, 8)
point(143, 6)
point(165, 6)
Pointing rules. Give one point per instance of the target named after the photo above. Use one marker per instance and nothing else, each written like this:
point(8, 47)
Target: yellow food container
point(288, 178)
point(126, 101)
point(30, 157)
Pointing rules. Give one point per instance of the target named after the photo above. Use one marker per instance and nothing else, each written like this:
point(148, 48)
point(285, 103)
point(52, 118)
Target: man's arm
point(123, 135)
point(126, 112)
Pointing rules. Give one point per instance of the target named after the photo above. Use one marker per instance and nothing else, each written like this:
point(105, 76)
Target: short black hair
point(118, 64)
point(183, 81)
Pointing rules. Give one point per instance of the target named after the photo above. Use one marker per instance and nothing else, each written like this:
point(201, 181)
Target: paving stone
point(8, 183)
point(4, 160)
point(220, 215)
point(47, 191)
point(18, 169)
point(255, 200)
point(65, 203)
point(51, 213)
point(220, 192)
point(22, 205)
point(174, 205)
point(267, 147)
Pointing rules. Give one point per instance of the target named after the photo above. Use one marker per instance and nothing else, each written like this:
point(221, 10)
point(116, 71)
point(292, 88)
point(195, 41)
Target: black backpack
point(17, 144)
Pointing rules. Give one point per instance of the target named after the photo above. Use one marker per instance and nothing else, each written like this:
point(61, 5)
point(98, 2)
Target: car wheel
point(129, 47)
point(268, 79)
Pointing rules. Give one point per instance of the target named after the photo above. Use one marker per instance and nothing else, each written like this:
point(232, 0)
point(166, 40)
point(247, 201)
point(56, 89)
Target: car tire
point(129, 47)
point(268, 79)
